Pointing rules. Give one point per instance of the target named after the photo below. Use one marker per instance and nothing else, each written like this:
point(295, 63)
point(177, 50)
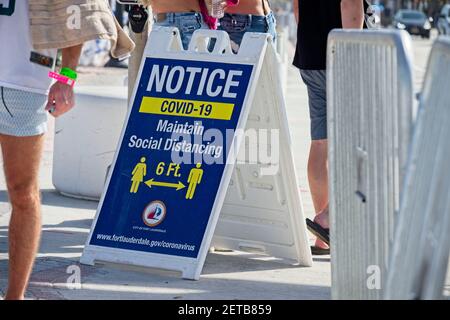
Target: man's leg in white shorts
point(21, 157)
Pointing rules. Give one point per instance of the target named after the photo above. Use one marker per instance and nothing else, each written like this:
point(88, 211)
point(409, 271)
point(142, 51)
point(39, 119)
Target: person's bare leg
point(318, 181)
point(21, 157)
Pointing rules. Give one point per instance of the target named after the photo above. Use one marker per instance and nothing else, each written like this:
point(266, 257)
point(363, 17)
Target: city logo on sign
point(154, 213)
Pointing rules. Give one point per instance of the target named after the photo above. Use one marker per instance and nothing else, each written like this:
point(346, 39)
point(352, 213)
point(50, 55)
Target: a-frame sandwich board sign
point(171, 171)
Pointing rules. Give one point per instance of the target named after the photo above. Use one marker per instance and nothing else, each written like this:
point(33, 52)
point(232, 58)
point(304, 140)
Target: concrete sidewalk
point(66, 224)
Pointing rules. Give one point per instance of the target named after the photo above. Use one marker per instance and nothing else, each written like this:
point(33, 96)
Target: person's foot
point(320, 247)
point(320, 220)
point(320, 244)
point(323, 218)
point(317, 230)
point(316, 251)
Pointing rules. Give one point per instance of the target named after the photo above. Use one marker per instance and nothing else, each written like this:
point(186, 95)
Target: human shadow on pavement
point(62, 245)
point(51, 276)
point(69, 237)
point(64, 242)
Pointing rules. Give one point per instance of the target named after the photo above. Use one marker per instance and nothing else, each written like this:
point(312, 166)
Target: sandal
point(317, 251)
point(317, 230)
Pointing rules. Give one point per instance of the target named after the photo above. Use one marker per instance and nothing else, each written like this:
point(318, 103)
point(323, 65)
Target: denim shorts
point(22, 113)
point(236, 25)
point(186, 22)
point(316, 82)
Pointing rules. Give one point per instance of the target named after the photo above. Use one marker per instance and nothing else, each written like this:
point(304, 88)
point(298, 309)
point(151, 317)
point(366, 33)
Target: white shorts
point(22, 113)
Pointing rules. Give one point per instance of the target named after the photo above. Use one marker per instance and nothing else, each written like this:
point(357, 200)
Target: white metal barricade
point(422, 239)
point(370, 98)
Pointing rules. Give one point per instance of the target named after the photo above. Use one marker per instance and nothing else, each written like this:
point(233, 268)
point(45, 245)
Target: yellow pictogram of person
point(139, 172)
point(195, 178)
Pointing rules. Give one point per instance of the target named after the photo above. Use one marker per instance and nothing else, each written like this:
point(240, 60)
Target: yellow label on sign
point(187, 108)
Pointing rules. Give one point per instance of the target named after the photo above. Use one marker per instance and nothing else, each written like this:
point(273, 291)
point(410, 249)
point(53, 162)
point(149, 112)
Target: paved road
point(422, 49)
point(226, 275)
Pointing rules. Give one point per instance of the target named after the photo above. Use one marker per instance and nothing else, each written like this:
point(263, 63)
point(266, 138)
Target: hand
point(60, 99)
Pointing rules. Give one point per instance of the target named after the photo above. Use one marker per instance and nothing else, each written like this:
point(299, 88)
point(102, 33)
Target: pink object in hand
point(61, 78)
point(211, 21)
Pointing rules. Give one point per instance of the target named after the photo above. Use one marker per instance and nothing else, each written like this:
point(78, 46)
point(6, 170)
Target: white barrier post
point(422, 240)
point(370, 99)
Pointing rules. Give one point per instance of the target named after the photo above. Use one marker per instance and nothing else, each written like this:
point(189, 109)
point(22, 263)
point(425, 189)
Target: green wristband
point(69, 73)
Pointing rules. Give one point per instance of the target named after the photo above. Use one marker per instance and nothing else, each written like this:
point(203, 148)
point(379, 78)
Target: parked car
point(413, 21)
point(443, 24)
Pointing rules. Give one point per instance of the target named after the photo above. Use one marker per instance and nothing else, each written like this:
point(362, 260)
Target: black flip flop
point(317, 230)
point(316, 251)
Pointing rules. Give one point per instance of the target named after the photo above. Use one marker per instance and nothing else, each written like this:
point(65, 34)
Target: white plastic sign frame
point(165, 43)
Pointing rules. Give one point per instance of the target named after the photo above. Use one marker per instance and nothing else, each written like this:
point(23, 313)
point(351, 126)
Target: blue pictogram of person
point(195, 178)
point(138, 174)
